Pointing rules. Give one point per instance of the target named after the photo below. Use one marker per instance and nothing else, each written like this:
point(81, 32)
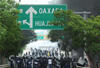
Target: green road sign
point(38, 16)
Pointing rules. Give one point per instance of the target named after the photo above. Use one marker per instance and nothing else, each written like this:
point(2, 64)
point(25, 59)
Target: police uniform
point(29, 63)
point(36, 63)
point(50, 62)
point(11, 60)
point(19, 62)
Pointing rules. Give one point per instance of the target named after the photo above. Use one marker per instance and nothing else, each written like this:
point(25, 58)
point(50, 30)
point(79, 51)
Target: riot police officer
point(29, 62)
point(11, 60)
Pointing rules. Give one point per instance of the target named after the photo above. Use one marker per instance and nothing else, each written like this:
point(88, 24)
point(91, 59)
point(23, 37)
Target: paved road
point(4, 66)
point(83, 67)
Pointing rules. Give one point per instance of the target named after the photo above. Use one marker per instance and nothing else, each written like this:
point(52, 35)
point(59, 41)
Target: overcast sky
point(34, 1)
point(40, 1)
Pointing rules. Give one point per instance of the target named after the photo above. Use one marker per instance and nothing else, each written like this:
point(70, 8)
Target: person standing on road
point(67, 63)
point(36, 63)
point(29, 62)
point(74, 63)
point(50, 62)
point(19, 62)
point(11, 60)
point(62, 62)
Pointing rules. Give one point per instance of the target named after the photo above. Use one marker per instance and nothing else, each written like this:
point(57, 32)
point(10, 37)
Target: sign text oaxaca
point(38, 16)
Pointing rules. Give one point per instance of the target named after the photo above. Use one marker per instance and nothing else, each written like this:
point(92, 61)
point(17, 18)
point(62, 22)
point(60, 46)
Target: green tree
point(61, 17)
point(63, 39)
point(12, 37)
point(29, 35)
point(83, 33)
point(2, 36)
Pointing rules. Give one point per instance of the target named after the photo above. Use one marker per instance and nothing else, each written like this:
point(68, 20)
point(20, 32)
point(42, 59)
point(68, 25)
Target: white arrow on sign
point(31, 11)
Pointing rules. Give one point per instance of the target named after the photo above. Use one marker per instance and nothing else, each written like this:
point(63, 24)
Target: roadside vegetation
point(78, 34)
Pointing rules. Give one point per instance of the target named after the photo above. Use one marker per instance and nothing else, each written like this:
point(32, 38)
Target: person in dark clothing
point(67, 62)
point(54, 62)
point(67, 65)
point(57, 63)
point(36, 63)
point(44, 62)
point(41, 62)
point(19, 62)
point(25, 62)
point(74, 63)
point(11, 60)
point(62, 62)
point(29, 63)
point(50, 62)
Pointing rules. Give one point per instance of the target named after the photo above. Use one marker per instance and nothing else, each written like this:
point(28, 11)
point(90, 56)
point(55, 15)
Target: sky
point(34, 1)
point(40, 43)
point(40, 1)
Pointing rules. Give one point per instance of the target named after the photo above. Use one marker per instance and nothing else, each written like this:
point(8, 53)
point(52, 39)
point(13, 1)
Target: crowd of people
point(42, 59)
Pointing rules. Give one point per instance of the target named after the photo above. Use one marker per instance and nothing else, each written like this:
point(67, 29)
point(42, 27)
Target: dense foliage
point(78, 33)
point(12, 38)
point(11, 43)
